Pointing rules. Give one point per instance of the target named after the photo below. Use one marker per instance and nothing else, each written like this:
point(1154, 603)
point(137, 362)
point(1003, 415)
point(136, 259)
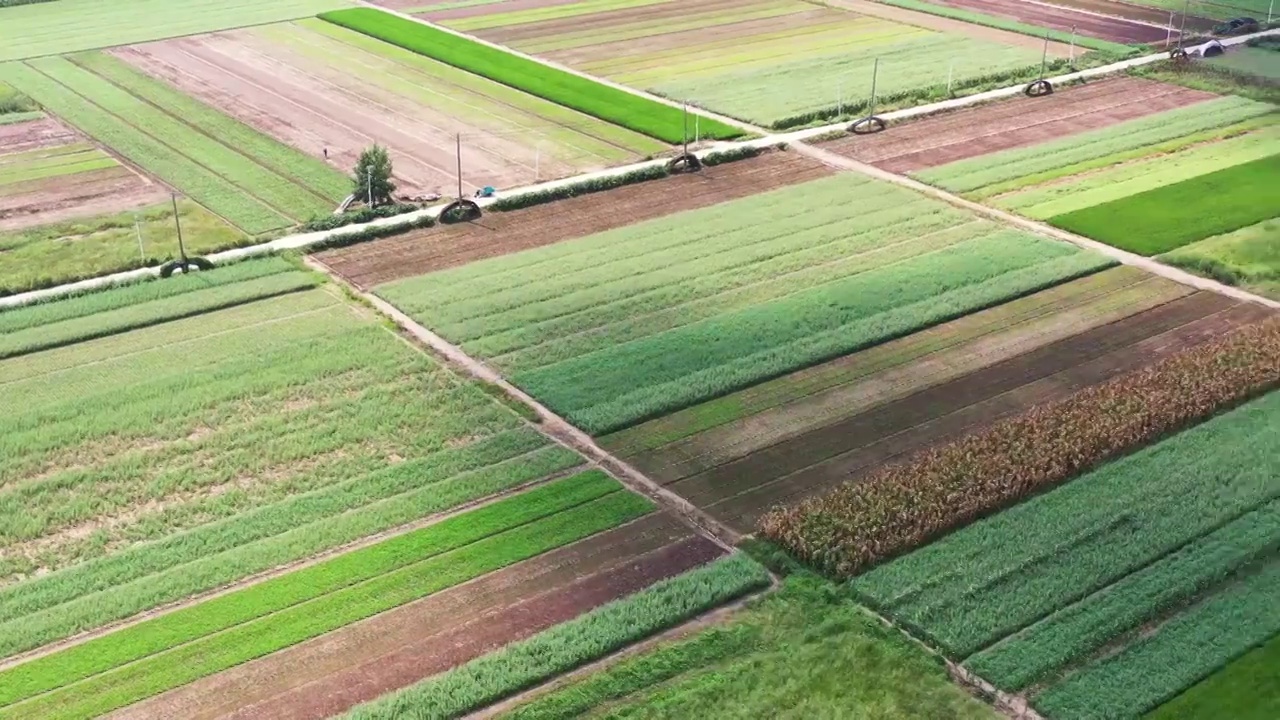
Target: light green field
point(1249, 257)
point(73, 25)
point(1223, 10)
point(1251, 61)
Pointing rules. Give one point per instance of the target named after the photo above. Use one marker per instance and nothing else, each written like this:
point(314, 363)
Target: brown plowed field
point(1017, 122)
point(738, 490)
point(1113, 29)
point(1153, 15)
point(35, 134)
point(336, 671)
point(500, 233)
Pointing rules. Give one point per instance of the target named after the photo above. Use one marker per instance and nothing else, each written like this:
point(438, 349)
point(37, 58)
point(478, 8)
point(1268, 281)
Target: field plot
point(802, 434)
point(1008, 124)
point(313, 85)
point(252, 181)
point(771, 62)
point(74, 25)
point(1245, 689)
point(500, 233)
point(1216, 9)
point(187, 451)
point(1249, 257)
point(1128, 601)
point(1114, 27)
point(617, 327)
point(1259, 62)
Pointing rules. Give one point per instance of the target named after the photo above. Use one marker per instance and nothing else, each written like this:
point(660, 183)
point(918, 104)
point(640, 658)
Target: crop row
point(121, 296)
point(1180, 653)
point(903, 506)
point(571, 644)
point(1081, 629)
point(172, 657)
point(1000, 575)
point(308, 171)
point(1169, 217)
point(1244, 690)
point(664, 122)
point(1011, 169)
point(302, 586)
point(190, 304)
point(216, 193)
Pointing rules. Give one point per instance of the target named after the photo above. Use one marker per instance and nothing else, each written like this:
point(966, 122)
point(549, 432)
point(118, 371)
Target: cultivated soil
point(947, 25)
point(500, 233)
point(488, 8)
point(1154, 16)
point(331, 673)
point(56, 199)
point(739, 490)
point(1113, 29)
point(1016, 122)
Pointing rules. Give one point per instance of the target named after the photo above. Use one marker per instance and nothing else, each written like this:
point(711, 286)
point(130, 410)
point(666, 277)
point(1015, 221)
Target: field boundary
point(302, 241)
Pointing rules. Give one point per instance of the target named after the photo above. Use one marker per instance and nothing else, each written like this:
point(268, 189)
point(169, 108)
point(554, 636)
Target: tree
point(374, 169)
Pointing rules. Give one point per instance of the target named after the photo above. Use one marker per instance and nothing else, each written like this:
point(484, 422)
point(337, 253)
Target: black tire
point(685, 163)
point(1039, 88)
point(460, 211)
point(868, 125)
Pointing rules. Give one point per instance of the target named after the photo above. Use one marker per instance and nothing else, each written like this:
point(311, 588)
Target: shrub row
point(363, 215)
point(943, 488)
point(15, 3)
point(372, 233)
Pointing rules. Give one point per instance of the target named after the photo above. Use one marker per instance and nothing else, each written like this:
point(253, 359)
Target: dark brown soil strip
point(1013, 123)
point(841, 436)
point(353, 646)
point(1145, 13)
point(745, 509)
point(1113, 29)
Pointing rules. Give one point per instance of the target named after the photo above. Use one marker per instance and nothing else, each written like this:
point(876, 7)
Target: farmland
point(1173, 557)
point(294, 82)
point(1249, 257)
point(1061, 21)
point(771, 62)
point(760, 286)
point(1263, 63)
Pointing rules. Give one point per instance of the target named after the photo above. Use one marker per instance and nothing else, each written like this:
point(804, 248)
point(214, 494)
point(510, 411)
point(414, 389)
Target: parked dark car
point(1237, 26)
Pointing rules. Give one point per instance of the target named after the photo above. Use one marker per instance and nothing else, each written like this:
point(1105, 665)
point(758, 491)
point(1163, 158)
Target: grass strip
point(1180, 653)
point(1075, 632)
point(156, 312)
point(248, 640)
point(943, 488)
point(1244, 690)
point(21, 117)
point(571, 644)
point(657, 120)
point(256, 601)
point(1001, 23)
point(1166, 218)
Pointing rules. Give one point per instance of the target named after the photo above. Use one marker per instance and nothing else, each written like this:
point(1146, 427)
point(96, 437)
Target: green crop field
point(1181, 552)
point(618, 327)
point(252, 181)
point(1169, 217)
point(775, 63)
point(1244, 690)
point(73, 25)
point(1251, 61)
point(657, 120)
point(1216, 9)
point(181, 647)
point(169, 459)
point(1249, 257)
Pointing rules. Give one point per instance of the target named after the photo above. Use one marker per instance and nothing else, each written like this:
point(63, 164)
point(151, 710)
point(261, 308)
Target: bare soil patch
point(1017, 122)
point(336, 671)
point(35, 135)
point(739, 490)
point(1113, 29)
point(500, 233)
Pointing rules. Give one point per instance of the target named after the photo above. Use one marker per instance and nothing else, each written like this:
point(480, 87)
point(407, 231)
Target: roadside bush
point(585, 187)
point(15, 3)
point(372, 233)
point(720, 157)
point(363, 215)
point(944, 488)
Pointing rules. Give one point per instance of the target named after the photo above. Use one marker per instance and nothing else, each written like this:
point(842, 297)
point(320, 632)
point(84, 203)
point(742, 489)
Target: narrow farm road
point(1152, 266)
point(552, 425)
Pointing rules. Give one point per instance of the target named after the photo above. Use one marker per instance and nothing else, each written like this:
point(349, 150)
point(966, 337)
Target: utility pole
point(875, 75)
point(137, 228)
point(1182, 27)
point(1270, 7)
point(177, 222)
point(951, 69)
point(1071, 59)
point(1168, 38)
point(686, 129)
point(1044, 56)
point(368, 184)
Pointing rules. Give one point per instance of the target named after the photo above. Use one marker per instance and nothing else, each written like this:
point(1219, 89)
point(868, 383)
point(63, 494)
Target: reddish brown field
point(500, 233)
point(56, 199)
point(1113, 29)
point(1017, 122)
point(1142, 13)
point(737, 488)
point(336, 671)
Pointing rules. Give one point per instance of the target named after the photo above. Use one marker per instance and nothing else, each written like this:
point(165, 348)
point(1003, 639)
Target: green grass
point(805, 650)
point(1079, 630)
point(14, 103)
point(149, 290)
point(1244, 690)
point(307, 171)
point(1011, 25)
point(302, 586)
point(225, 444)
point(993, 578)
point(255, 638)
point(1160, 220)
point(20, 117)
point(1013, 169)
point(1251, 61)
point(1223, 10)
point(571, 644)
point(73, 25)
point(63, 252)
point(636, 322)
point(1183, 651)
point(24, 168)
point(156, 312)
point(1249, 257)
point(654, 119)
